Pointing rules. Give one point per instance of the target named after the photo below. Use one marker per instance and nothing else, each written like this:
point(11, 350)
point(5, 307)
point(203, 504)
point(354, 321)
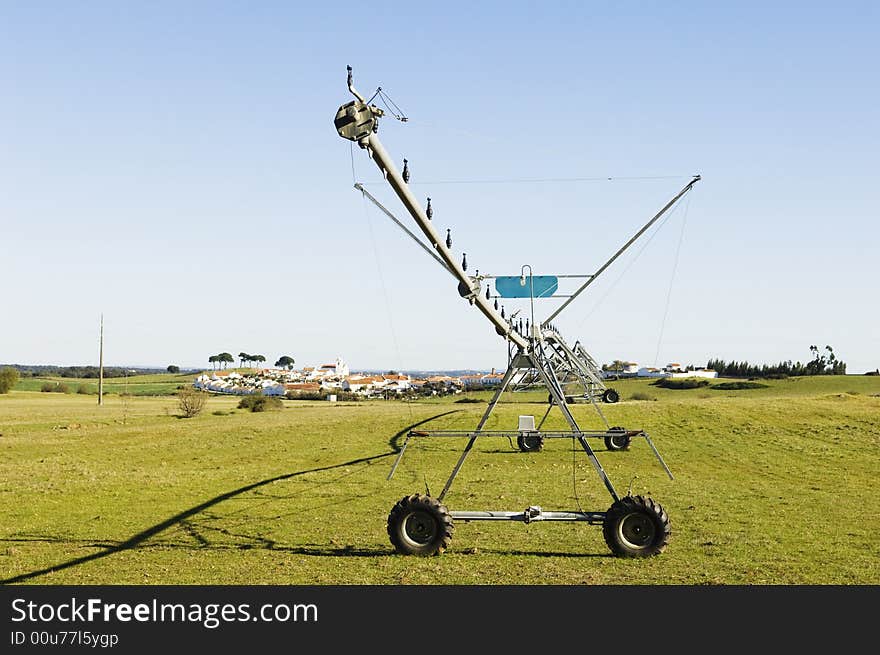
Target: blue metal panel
point(509, 286)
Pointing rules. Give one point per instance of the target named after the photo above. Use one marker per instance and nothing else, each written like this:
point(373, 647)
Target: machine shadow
point(138, 540)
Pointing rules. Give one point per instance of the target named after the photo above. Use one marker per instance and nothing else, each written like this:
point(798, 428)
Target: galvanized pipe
point(523, 517)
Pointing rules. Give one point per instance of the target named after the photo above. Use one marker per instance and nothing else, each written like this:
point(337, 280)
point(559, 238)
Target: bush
point(54, 387)
point(8, 378)
point(641, 395)
point(469, 400)
point(730, 386)
point(191, 401)
point(260, 403)
point(85, 389)
point(681, 383)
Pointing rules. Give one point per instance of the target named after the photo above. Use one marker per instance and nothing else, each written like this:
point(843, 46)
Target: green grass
point(159, 384)
point(773, 486)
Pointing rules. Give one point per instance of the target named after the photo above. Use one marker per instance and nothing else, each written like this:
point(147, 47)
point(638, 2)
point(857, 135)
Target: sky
point(174, 167)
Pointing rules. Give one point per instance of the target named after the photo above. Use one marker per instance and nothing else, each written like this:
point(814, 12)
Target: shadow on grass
point(310, 550)
point(180, 519)
point(542, 553)
point(314, 550)
point(394, 442)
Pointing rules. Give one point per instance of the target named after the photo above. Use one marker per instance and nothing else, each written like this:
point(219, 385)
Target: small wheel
point(420, 525)
point(636, 526)
point(619, 441)
point(530, 442)
point(610, 396)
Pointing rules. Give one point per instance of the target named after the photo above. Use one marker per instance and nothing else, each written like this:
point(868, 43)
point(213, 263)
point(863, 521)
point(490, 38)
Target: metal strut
point(625, 246)
point(369, 196)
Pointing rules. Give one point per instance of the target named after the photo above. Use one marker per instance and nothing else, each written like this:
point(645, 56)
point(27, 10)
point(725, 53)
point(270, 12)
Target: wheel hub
point(637, 530)
point(419, 528)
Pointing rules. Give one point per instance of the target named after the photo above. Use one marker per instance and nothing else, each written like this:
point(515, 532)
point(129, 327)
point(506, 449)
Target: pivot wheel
point(610, 396)
point(636, 526)
point(618, 441)
point(530, 442)
point(420, 525)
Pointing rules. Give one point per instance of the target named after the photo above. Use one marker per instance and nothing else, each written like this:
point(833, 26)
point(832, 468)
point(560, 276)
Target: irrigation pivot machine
point(421, 524)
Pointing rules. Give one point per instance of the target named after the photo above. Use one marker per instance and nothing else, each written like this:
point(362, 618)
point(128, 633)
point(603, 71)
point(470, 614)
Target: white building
point(337, 369)
point(651, 372)
point(696, 373)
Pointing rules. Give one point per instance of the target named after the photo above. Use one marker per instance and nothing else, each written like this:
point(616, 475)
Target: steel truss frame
point(541, 355)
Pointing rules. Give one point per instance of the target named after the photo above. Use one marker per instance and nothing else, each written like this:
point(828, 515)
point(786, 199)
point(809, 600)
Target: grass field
point(135, 385)
point(773, 486)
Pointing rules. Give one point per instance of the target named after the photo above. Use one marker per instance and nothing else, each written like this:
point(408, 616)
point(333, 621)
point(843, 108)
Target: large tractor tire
point(636, 526)
point(530, 443)
point(619, 441)
point(420, 525)
point(610, 396)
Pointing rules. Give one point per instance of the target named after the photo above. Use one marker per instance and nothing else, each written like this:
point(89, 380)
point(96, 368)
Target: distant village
point(673, 370)
point(330, 380)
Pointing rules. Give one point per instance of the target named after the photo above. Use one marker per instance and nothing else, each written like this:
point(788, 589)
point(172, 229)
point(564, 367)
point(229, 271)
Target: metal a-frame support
point(534, 359)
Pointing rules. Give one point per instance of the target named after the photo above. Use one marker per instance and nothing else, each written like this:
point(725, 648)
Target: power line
point(545, 180)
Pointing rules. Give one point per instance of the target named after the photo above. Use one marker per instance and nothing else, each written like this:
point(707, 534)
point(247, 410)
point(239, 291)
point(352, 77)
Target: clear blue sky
point(174, 166)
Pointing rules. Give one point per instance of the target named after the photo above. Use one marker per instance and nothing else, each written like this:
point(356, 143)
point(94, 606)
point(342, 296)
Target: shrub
point(260, 403)
point(681, 383)
point(84, 389)
point(641, 395)
point(54, 387)
point(730, 386)
point(8, 378)
point(191, 401)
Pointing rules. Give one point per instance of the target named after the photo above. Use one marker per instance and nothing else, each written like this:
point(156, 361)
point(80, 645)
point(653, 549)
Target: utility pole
point(101, 365)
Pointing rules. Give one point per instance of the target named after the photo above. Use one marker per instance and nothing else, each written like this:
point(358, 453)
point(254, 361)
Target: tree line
point(222, 359)
point(79, 371)
point(824, 362)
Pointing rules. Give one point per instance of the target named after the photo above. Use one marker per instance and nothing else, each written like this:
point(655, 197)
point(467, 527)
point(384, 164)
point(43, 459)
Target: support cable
point(628, 266)
point(547, 180)
point(672, 280)
point(385, 297)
